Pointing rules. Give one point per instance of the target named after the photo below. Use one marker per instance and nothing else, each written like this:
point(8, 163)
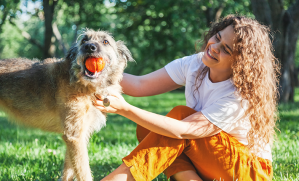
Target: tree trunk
point(284, 24)
point(49, 6)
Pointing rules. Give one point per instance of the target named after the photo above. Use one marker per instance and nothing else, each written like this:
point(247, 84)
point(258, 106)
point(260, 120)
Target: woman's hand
point(117, 104)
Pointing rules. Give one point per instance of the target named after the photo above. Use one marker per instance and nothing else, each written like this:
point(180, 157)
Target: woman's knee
point(119, 174)
point(186, 176)
point(141, 132)
point(180, 112)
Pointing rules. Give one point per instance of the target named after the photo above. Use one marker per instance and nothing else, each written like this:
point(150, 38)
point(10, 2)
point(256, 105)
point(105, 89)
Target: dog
point(56, 94)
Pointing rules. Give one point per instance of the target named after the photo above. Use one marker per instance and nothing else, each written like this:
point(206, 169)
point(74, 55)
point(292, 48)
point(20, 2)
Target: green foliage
point(10, 42)
point(9, 8)
point(30, 154)
point(288, 3)
point(156, 32)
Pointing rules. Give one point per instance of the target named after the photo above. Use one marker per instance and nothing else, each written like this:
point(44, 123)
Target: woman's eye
point(216, 38)
point(105, 42)
point(225, 50)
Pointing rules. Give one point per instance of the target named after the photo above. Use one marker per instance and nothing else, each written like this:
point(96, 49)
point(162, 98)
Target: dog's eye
point(83, 41)
point(106, 42)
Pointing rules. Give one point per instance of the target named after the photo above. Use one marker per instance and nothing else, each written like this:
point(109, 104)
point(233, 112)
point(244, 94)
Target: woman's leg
point(157, 152)
point(181, 169)
point(188, 175)
point(151, 155)
point(223, 157)
point(122, 173)
point(217, 157)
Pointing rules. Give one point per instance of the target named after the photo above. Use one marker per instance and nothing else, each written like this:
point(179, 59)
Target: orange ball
point(94, 64)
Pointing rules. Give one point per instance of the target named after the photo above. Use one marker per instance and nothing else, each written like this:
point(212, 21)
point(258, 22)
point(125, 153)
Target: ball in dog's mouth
point(94, 66)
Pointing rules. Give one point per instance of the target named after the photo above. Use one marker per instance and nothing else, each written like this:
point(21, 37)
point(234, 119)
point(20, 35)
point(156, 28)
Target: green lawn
point(31, 154)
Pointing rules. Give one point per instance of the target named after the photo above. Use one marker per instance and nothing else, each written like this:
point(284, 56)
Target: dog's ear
point(123, 51)
point(72, 52)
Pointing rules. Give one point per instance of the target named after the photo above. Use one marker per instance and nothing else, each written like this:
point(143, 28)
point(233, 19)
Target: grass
point(31, 154)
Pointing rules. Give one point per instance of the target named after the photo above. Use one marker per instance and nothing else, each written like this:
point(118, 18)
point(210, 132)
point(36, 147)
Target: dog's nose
point(90, 48)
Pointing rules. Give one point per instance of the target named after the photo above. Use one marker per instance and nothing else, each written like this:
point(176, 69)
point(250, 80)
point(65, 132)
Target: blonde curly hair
point(255, 75)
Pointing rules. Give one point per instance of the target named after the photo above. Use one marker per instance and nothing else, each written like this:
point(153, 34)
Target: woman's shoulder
point(187, 62)
point(200, 55)
point(194, 57)
point(194, 61)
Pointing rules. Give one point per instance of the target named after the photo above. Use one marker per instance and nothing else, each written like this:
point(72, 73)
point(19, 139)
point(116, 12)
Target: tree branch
point(5, 13)
point(59, 38)
point(219, 12)
point(27, 36)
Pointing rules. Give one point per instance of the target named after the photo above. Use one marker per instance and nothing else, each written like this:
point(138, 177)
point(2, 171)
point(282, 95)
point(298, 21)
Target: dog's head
point(97, 59)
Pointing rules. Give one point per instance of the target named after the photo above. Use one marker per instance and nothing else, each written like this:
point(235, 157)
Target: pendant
point(106, 102)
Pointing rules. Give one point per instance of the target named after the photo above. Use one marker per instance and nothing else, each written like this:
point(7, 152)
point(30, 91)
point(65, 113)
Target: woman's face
point(218, 52)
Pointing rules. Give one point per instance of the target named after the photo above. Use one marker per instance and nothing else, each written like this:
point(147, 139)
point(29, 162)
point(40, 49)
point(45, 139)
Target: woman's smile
point(210, 54)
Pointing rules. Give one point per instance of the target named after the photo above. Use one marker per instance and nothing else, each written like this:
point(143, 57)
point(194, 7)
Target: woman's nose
point(215, 47)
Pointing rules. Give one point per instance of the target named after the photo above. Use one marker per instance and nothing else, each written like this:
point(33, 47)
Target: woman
point(232, 89)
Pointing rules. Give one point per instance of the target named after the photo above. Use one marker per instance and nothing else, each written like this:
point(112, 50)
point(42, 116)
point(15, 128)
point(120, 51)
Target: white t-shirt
point(218, 102)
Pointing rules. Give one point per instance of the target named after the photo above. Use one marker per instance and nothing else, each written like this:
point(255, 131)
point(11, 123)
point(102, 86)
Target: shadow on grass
point(42, 169)
point(102, 170)
point(291, 106)
point(289, 118)
point(47, 167)
point(10, 132)
point(118, 129)
point(18, 142)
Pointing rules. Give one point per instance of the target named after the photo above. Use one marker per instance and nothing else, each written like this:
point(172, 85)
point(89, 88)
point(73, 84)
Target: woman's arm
point(193, 127)
point(150, 84)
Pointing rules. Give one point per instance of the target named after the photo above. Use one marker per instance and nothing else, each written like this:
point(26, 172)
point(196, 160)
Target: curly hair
point(255, 75)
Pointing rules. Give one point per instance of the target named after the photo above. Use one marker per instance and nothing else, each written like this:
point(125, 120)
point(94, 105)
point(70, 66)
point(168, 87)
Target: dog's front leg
point(78, 154)
point(75, 137)
point(68, 170)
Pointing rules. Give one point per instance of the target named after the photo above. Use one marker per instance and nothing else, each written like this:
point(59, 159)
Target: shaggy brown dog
point(56, 95)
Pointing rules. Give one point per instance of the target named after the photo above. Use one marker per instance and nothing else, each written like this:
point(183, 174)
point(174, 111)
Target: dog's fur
point(56, 95)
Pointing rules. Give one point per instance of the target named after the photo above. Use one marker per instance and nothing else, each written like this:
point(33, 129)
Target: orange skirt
point(219, 157)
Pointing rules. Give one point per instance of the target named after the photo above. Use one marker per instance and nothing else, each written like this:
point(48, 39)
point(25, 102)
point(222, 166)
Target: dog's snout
point(90, 47)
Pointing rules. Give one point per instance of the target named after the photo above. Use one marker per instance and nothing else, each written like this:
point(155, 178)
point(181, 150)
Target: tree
point(283, 19)
point(48, 7)
point(47, 16)
point(159, 31)
point(156, 32)
point(8, 8)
